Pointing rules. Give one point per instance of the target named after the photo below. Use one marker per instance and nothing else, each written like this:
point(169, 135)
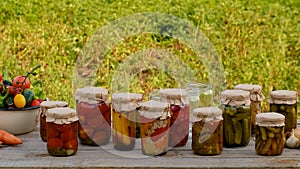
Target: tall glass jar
point(124, 120)
point(235, 105)
point(155, 123)
point(256, 97)
point(285, 103)
point(62, 130)
point(44, 106)
point(93, 109)
point(270, 137)
point(207, 131)
point(180, 111)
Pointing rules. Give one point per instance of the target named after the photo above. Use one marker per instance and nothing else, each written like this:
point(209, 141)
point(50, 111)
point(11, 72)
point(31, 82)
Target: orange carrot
point(8, 138)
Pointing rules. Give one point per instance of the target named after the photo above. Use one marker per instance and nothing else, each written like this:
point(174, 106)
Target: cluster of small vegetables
point(19, 92)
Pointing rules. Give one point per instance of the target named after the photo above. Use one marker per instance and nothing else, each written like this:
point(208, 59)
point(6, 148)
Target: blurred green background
point(257, 41)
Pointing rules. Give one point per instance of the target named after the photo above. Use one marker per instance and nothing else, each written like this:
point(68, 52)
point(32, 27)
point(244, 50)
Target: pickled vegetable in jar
point(155, 122)
point(93, 109)
point(44, 106)
point(256, 97)
point(207, 131)
point(180, 112)
point(270, 137)
point(62, 130)
point(124, 120)
point(235, 105)
point(285, 103)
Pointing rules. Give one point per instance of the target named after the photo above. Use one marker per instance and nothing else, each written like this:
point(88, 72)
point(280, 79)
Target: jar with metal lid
point(124, 120)
point(207, 131)
point(235, 105)
point(285, 103)
point(180, 111)
point(155, 123)
point(93, 109)
point(256, 97)
point(270, 137)
point(62, 130)
point(44, 106)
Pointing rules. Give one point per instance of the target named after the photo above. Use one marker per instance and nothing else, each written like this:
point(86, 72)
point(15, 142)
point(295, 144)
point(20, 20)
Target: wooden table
point(33, 154)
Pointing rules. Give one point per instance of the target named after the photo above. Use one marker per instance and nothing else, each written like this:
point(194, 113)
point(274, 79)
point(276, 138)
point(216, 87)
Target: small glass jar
point(124, 120)
point(235, 105)
point(256, 97)
point(270, 138)
point(180, 112)
point(285, 103)
point(44, 106)
point(62, 130)
point(93, 109)
point(207, 131)
point(155, 123)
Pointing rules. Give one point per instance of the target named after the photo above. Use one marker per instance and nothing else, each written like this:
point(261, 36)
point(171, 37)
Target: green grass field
point(257, 41)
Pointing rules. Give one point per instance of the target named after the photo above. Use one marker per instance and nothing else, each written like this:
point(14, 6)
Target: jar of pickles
point(256, 97)
point(270, 138)
point(285, 103)
point(93, 109)
point(235, 105)
point(180, 111)
point(62, 130)
point(124, 120)
point(207, 131)
point(155, 123)
point(44, 106)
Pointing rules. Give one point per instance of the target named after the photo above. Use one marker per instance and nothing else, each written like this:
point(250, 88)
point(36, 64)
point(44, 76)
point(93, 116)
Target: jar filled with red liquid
point(93, 109)
point(124, 120)
point(44, 106)
point(180, 111)
point(62, 130)
point(155, 123)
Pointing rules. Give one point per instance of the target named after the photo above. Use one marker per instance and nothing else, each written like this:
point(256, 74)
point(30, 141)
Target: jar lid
point(61, 115)
point(53, 104)
point(91, 94)
point(255, 91)
point(126, 102)
point(270, 119)
point(235, 97)
point(154, 109)
point(173, 96)
point(283, 97)
point(207, 114)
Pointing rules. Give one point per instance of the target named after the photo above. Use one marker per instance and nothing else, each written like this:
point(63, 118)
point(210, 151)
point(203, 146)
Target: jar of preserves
point(44, 106)
point(256, 97)
point(180, 111)
point(207, 131)
point(235, 105)
point(270, 138)
point(93, 109)
point(124, 120)
point(155, 123)
point(62, 130)
point(285, 103)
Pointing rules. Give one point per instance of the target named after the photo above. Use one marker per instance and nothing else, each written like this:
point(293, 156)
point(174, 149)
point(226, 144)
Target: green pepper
point(2, 98)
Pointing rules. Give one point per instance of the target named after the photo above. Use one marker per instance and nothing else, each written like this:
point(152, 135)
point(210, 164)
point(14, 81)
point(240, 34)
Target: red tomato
point(14, 90)
point(54, 143)
point(35, 103)
point(19, 81)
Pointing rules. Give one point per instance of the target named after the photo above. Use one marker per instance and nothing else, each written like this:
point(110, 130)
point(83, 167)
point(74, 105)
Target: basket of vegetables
point(19, 102)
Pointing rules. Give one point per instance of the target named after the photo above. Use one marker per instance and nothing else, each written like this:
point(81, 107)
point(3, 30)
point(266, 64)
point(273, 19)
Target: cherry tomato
point(21, 81)
point(35, 103)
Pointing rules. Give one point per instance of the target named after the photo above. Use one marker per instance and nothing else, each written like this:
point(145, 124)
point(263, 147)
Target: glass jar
point(93, 109)
point(207, 131)
point(44, 106)
point(155, 123)
point(235, 105)
point(270, 138)
point(124, 120)
point(180, 111)
point(62, 130)
point(256, 97)
point(285, 103)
